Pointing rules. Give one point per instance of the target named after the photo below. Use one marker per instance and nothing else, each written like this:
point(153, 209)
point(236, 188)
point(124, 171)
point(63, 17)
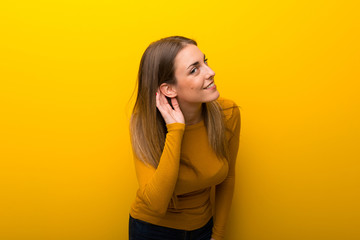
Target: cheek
point(187, 86)
point(190, 85)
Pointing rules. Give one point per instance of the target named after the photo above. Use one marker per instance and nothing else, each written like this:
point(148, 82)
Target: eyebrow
point(195, 63)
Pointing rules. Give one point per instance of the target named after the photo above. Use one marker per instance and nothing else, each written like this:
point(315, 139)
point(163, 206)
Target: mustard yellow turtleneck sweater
point(177, 193)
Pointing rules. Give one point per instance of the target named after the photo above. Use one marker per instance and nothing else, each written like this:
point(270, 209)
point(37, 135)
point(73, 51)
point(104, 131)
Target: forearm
point(157, 185)
point(223, 199)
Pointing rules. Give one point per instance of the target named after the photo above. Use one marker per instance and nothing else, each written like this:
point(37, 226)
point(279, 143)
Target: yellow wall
point(68, 69)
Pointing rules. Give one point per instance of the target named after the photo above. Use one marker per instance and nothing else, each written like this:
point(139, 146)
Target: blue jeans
point(140, 230)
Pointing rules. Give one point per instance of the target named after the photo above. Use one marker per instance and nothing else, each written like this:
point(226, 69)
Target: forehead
point(188, 55)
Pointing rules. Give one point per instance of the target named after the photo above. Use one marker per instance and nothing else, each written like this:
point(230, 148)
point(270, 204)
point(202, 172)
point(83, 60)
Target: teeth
point(211, 85)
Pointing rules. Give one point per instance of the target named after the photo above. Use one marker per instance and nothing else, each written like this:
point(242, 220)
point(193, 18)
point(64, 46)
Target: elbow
point(159, 211)
point(155, 207)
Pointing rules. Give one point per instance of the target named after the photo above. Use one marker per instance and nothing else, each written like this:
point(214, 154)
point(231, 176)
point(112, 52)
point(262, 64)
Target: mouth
point(212, 84)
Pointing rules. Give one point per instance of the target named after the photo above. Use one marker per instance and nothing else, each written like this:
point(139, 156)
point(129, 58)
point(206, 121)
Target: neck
point(192, 112)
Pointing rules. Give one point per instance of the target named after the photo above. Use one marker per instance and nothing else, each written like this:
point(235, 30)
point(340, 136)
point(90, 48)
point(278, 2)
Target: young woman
point(185, 141)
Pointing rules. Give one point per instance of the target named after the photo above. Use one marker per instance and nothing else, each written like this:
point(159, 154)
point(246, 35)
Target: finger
point(165, 103)
point(158, 101)
point(162, 98)
point(175, 104)
point(162, 104)
point(157, 98)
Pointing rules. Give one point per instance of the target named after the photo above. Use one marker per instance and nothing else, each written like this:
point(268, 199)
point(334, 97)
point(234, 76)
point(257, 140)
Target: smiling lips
point(210, 86)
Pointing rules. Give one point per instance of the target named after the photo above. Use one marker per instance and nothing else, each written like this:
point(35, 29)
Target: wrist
point(175, 126)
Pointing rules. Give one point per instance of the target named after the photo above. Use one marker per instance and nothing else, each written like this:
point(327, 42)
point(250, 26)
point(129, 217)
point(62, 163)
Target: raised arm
point(156, 186)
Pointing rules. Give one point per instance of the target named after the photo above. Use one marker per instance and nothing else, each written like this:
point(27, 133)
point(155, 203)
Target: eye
point(193, 70)
point(206, 61)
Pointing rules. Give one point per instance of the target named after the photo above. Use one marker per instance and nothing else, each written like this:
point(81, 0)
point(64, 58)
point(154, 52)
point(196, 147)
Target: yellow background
point(68, 69)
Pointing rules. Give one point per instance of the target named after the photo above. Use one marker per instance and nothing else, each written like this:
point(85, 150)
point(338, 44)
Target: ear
point(168, 90)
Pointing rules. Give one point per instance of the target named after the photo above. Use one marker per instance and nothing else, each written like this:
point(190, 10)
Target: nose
point(209, 73)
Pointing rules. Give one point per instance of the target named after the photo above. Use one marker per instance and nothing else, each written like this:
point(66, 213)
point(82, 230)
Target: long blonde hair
point(147, 126)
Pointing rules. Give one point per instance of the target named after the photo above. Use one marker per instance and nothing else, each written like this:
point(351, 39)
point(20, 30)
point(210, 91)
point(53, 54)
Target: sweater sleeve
point(224, 191)
point(156, 186)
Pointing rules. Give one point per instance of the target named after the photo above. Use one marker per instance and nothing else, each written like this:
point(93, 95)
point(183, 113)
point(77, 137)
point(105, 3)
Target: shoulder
point(230, 109)
point(231, 114)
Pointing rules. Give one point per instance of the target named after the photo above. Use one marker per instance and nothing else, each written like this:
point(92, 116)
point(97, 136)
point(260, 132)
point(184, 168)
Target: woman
point(185, 141)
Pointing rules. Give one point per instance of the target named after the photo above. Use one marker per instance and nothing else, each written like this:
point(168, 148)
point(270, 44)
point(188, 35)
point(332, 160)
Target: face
point(194, 78)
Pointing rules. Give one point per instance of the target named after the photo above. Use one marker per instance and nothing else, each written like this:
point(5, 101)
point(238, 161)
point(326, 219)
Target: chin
point(213, 97)
point(217, 95)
